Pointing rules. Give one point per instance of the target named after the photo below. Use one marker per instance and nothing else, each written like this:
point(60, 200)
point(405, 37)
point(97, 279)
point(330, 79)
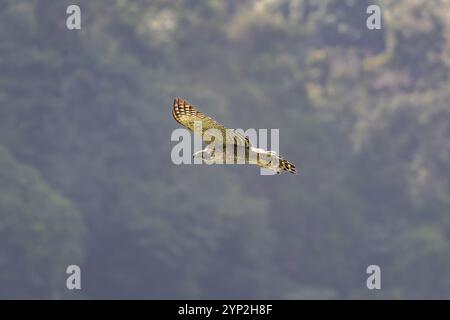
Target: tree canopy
point(85, 170)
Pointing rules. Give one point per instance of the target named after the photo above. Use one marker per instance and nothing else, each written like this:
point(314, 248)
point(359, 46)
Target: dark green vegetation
point(85, 170)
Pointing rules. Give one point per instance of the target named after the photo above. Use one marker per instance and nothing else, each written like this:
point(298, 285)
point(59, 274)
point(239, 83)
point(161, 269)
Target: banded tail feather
point(287, 166)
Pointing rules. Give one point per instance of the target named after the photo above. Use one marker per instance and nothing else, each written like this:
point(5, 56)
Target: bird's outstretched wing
point(186, 114)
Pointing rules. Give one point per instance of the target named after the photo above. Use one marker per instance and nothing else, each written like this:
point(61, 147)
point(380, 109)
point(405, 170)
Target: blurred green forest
point(85, 170)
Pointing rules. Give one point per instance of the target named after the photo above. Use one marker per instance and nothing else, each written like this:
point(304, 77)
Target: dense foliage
point(85, 170)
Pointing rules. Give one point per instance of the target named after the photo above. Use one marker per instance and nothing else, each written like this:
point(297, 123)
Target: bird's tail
point(287, 166)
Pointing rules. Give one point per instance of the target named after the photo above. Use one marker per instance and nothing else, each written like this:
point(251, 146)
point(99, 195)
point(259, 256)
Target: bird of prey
point(227, 145)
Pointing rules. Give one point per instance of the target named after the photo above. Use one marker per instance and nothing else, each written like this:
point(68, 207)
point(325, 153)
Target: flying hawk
point(233, 145)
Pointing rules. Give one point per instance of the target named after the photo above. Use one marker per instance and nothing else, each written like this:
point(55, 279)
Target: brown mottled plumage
point(187, 115)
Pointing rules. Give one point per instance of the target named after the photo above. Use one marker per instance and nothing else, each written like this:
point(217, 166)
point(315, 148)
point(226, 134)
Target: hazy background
point(86, 176)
